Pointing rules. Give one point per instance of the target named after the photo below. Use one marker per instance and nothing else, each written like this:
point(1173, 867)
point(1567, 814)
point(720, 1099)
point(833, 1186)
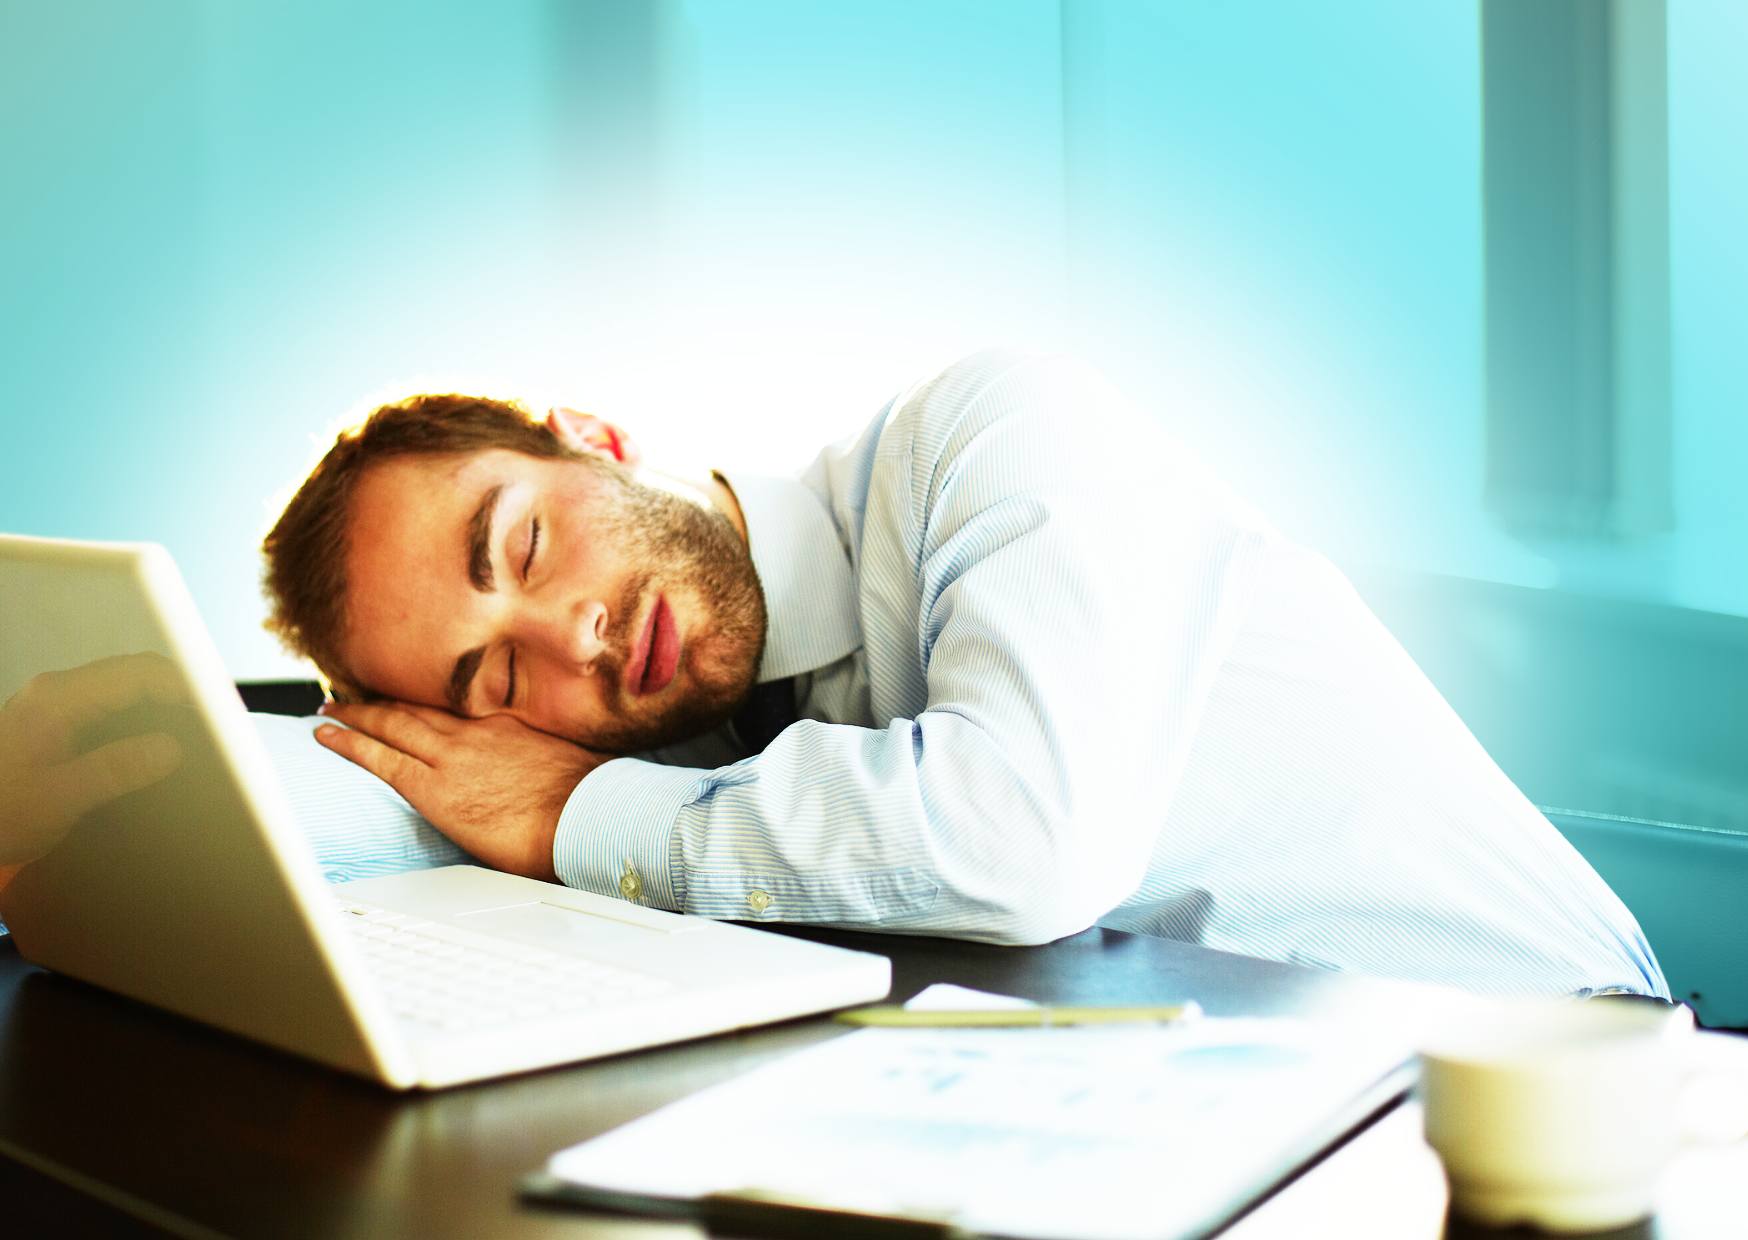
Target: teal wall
point(1277, 232)
point(740, 225)
point(225, 224)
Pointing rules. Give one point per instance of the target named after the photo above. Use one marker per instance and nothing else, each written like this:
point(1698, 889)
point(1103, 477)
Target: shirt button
point(630, 885)
point(758, 901)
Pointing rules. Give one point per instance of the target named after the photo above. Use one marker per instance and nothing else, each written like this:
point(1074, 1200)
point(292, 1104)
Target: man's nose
point(577, 632)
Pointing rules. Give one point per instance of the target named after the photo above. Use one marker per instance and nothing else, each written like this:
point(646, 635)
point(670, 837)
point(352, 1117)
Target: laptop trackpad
point(559, 927)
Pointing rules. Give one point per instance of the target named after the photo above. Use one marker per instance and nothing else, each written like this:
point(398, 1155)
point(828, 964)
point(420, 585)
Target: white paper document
point(1088, 1132)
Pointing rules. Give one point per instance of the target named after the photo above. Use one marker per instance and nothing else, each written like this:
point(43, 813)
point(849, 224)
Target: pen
point(883, 1017)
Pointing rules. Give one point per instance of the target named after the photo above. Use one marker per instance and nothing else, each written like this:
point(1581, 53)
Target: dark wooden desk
point(116, 1118)
point(161, 1119)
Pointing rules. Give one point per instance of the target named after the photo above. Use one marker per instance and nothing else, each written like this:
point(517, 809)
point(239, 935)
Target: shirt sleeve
point(357, 825)
point(1061, 631)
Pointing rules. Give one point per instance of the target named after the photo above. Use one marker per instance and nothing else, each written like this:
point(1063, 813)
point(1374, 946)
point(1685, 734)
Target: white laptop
point(200, 895)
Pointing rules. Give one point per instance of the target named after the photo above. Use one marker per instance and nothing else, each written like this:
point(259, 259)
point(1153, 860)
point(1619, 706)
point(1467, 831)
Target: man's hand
point(495, 786)
point(46, 785)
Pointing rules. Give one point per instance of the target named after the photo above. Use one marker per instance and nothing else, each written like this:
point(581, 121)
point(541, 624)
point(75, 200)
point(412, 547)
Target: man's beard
point(680, 544)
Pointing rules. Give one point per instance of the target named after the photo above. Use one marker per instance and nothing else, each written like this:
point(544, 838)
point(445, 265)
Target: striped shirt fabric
point(1051, 674)
point(358, 825)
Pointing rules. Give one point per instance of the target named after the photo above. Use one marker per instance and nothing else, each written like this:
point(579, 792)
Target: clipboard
point(1133, 1133)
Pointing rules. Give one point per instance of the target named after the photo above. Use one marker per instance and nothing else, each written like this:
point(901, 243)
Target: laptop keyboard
point(443, 978)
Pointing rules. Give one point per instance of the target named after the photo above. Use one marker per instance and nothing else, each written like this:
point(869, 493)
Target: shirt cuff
point(616, 834)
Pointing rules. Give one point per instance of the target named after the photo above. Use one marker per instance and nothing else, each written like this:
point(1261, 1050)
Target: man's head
point(453, 551)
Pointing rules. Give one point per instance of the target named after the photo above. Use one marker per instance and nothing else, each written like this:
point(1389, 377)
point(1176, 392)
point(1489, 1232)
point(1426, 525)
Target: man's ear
point(585, 432)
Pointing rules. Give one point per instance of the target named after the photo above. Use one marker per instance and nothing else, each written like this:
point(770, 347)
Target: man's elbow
point(1033, 931)
point(1042, 911)
point(1053, 878)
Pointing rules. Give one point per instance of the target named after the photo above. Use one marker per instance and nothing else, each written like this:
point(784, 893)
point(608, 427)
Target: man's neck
point(712, 492)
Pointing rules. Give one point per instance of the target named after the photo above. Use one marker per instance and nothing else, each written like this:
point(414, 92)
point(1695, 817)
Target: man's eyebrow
point(461, 679)
point(479, 543)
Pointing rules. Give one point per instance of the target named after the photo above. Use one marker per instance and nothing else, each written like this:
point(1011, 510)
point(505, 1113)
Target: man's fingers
point(109, 771)
point(91, 690)
point(394, 767)
point(55, 703)
point(396, 725)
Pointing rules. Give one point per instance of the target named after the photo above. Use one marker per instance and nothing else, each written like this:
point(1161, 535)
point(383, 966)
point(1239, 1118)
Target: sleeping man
point(1007, 665)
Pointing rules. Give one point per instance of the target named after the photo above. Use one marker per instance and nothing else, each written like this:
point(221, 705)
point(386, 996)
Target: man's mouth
point(656, 656)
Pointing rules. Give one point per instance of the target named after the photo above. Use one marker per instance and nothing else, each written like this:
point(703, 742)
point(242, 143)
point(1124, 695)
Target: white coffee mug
point(1558, 1113)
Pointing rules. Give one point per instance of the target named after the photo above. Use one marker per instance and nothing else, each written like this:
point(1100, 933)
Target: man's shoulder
point(970, 394)
point(947, 394)
point(1026, 408)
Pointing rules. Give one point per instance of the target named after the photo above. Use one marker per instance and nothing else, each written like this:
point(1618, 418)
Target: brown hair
point(305, 574)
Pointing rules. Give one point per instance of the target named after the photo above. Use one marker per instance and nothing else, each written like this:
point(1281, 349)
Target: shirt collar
point(810, 595)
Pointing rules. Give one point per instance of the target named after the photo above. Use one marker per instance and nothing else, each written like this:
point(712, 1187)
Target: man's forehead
point(413, 499)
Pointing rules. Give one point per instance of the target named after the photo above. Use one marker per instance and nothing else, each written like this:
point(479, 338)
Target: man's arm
point(1042, 634)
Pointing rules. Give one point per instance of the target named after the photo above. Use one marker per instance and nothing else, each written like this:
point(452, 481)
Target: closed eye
point(533, 544)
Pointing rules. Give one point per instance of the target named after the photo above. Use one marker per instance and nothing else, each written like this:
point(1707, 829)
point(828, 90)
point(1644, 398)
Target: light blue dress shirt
point(1051, 674)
